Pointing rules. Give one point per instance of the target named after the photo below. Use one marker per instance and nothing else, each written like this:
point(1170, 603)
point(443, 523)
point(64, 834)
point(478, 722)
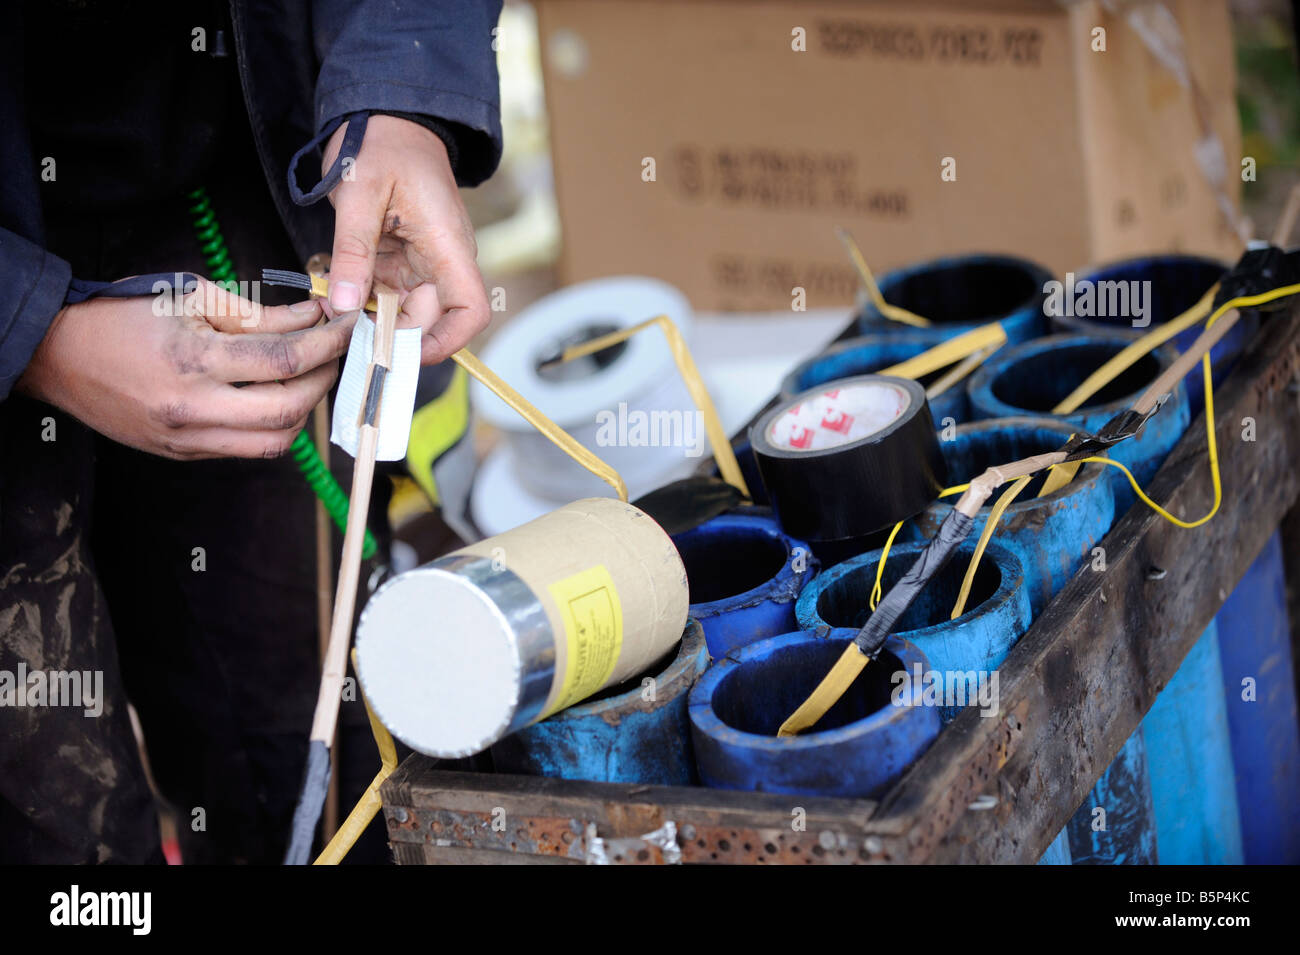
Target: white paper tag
point(398, 403)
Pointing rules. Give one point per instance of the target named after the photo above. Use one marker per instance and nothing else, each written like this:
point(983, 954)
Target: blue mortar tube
point(960, 293)
point(1033, 378)
point(1058, 853)
point(1259, 691)
point(1115, 824)
point(861, 747)
point(997, 610)
point(744, 575)
point(1171, 284)
point(1054, 535)
point(1189, 756)
point(637, 732)
point(1253, 627)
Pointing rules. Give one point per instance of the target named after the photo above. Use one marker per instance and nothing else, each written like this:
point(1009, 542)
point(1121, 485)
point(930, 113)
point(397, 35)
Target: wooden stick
point(1286, 224)
point(959, 371)
point(1171, 376)
point(320, 418)
point(982, 487)
point(319, 265)
point(363, 472)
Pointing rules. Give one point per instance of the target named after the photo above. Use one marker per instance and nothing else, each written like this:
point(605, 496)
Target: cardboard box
point(1063, 154)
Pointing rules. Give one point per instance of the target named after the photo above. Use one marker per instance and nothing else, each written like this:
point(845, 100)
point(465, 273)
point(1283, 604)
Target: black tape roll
point(825, 490)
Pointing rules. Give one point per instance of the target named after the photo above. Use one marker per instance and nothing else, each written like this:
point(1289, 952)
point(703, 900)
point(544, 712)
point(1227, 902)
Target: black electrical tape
point(954, 529)
point(1123, 425)
point(688, 503)
point(373, 394)
point(315, 786)
point(1260, 269)
point(858, 487)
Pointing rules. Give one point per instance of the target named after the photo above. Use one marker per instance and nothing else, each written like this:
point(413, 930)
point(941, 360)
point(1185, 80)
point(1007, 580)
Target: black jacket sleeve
point(37, 282)
point(431, 59)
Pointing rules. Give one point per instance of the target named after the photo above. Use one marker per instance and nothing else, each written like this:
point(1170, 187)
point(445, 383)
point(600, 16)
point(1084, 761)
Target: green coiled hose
point(320, 480)
point(327, 489)
point(222, 271)
point(213, 244)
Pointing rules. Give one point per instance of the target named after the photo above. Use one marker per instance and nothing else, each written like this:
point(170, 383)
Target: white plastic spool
point(638, 374)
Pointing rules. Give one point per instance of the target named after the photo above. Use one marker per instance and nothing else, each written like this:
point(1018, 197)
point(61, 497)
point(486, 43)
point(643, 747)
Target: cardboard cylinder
point(458, 653)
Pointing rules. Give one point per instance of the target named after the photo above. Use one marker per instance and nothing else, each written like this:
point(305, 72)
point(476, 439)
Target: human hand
point(399, 218)
point(165, 383)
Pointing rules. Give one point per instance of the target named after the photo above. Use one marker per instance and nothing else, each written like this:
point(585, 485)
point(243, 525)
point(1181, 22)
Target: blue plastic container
point(1058, 852)
point(1175, 284)
point(960, 293)
point(868, 355)
point(1115, 823)
point(1189, 756)
point(1259, 691)
point(1054, 535)
point(744, 575)
point(637, 732)
point(997, 611)
point(1031, 379)
point(859, 748)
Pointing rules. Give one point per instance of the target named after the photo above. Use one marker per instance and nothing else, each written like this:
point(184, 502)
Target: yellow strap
point(1212, 445)
point(851, 662)
point(1128, 356)
point(995, 515)
point(549, 429)
point(1063, 474)
point(947, 352)
point(959, 371)
point(370, 803)
point(1058, 476)
point(723, 455)
point(892, 312)
point(435, 428)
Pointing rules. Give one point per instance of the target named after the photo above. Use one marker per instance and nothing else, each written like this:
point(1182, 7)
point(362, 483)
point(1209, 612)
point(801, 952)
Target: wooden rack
point(990, 789)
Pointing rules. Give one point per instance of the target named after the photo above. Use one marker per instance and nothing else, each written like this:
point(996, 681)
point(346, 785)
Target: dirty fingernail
point(345, 296)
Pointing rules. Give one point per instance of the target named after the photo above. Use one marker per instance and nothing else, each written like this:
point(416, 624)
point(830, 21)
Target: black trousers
point(189, 586)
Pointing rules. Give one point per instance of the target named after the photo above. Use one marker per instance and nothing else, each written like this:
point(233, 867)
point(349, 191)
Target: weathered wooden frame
point(990, 789)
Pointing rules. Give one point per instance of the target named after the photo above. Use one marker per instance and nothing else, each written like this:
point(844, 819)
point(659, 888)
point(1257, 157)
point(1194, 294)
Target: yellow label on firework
point(593, 632)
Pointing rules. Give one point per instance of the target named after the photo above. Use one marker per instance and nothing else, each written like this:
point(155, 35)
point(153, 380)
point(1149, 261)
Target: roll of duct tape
point(626, 403)
point(850, 457)
point(458, 653)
